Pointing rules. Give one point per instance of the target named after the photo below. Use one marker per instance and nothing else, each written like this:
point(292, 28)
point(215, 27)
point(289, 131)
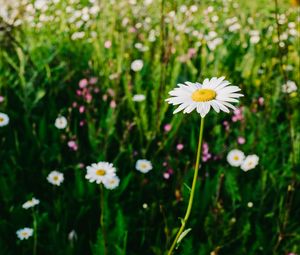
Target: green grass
point(40, 68)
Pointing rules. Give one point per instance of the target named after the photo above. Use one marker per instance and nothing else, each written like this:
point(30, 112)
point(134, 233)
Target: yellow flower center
point(236, 158)
point(24, 234)
point(144, 165)
point(100, 172)
point(203, 95)
point(55, 178)
point(1, 119)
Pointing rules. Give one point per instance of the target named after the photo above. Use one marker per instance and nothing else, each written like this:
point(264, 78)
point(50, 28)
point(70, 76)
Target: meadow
point(86, 81)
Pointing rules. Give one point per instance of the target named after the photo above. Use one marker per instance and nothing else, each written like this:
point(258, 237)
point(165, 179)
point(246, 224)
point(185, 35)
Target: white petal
point(215, 106)
point(180, 108)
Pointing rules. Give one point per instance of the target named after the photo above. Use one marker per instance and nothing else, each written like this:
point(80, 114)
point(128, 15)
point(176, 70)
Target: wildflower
point(107, 44)
point(73, 145)
point(61, 122)
point(137, 65)
point(83, 83)
point(4, 119)
point(72, 236)
point(55, 178)
point(241, 140)
point(1, 99)
point(112, 182)
point(250, 162)
point(179, 146)
point(100, 172)
point(235, 157)
point(250, 204)
point(167, 127)
point(143, 165)
point(289, 87)
point(24, 233)
point(213, 93)
point(138, 98)
point(31, 203)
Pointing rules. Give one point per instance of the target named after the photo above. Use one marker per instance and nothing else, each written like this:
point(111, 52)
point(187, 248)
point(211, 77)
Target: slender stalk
point(102, 218)
point(35, 235)
point(190, 204)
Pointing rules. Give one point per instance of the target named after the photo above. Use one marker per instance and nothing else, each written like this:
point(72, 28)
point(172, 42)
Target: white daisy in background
point(24, 233)
point(31, 203)
point(4, 119)
point(100, 172)
point(137, 65)
point(250, 162)
point(213, 93)
point(235, 157)
point(143, 165)
point(289, 87)
point(61, 122)
point(55, 178)
point(138, 98)
point(112, 182)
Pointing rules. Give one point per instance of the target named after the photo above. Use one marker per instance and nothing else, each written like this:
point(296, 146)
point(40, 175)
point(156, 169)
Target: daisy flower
point(100, 172)
point(289, 87)
point(24, 233)
point(4, 119)
point(112, 183)
point(137, 65)
point(61, 122)
point(235, 157)
point(143, 165)
point(55, 178)
point(215, 93)
point(250, 162)
point(31, 203)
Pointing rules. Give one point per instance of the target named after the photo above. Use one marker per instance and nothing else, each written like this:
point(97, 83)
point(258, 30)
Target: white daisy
point(235, 157)
point(138, 98)
point(112, 182)
point(250, 162)
point(289, 87)
point(55, 178)
point(143, 165)
point(137, 65)
point(31, 203)
point(61, 122)
point(213, 93)
point(24, 233)
point(100, 172)
point(4, 119)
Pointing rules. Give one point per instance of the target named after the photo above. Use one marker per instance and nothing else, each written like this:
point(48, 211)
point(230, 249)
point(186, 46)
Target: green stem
point(102, 217)
point(34, 232)
point(190, 204)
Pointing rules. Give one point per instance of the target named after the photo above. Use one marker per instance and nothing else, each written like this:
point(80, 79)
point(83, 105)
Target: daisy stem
point(190, 204)
point(34, 232)
point(102, 217)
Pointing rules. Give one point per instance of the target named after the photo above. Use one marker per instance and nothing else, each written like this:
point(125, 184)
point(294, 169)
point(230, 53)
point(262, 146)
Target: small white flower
point(250, 204)
point(100, 172)
point(31, 203)
point(143, 165)
point(234, 27)
point(250, 162)
point(112, 182)
point(235, 157)
point(24, 233)
point(55, 178)
point(213, 93)
point(4, 119)
point(289, 87)
point(72, 236)
point(137, 65)
point(138, 98)
point(61, 122)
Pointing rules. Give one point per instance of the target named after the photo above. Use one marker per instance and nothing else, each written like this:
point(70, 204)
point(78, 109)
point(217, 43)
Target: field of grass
point(84, 81)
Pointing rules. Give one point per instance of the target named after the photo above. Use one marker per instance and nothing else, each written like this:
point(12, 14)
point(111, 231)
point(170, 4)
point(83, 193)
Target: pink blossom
point(112, 104)
point(73, 145)
point(166, 175)
point(82, 123)
point(93, 80)
point(170, 171)
point(241, 140)
point(81, 109)
point(167, 127)
point(74, 104)
point(78, 92)
point(104, 97)
point(165, 163)
point(88, 97)
point(261, 101)
point(179, 146)
point(83, 83)
point(192, 52)
point(1, 99)
point(107, 44)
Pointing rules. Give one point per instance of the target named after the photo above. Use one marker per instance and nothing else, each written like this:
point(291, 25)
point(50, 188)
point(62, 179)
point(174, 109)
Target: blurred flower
point(107, 44)
point(112, 182)
point(250, 204)
point(238, 115)
point(4, 119)
point(24, 233)
point(81, 109)
point(100, 172)
point(235, 157)
point(145, 206)
point(179, 146)
point(72, 236)
point(112, 104)
point(254, 36)
point(72, 145)
point(261, 101)
point(241, 140)
point(234, 27)
point(138, 98)
point(143, 166)
point(213, 93)
point(83, 83)
point(289, 87)
point(61, 122)
point(137, 65)
point(93, 80)
point(1, 99)
point(166, 175)
point(205, 152)
point(250, 162)
point(214, 43)
point(167, 127)
point(55, 178)
point(31, 203)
